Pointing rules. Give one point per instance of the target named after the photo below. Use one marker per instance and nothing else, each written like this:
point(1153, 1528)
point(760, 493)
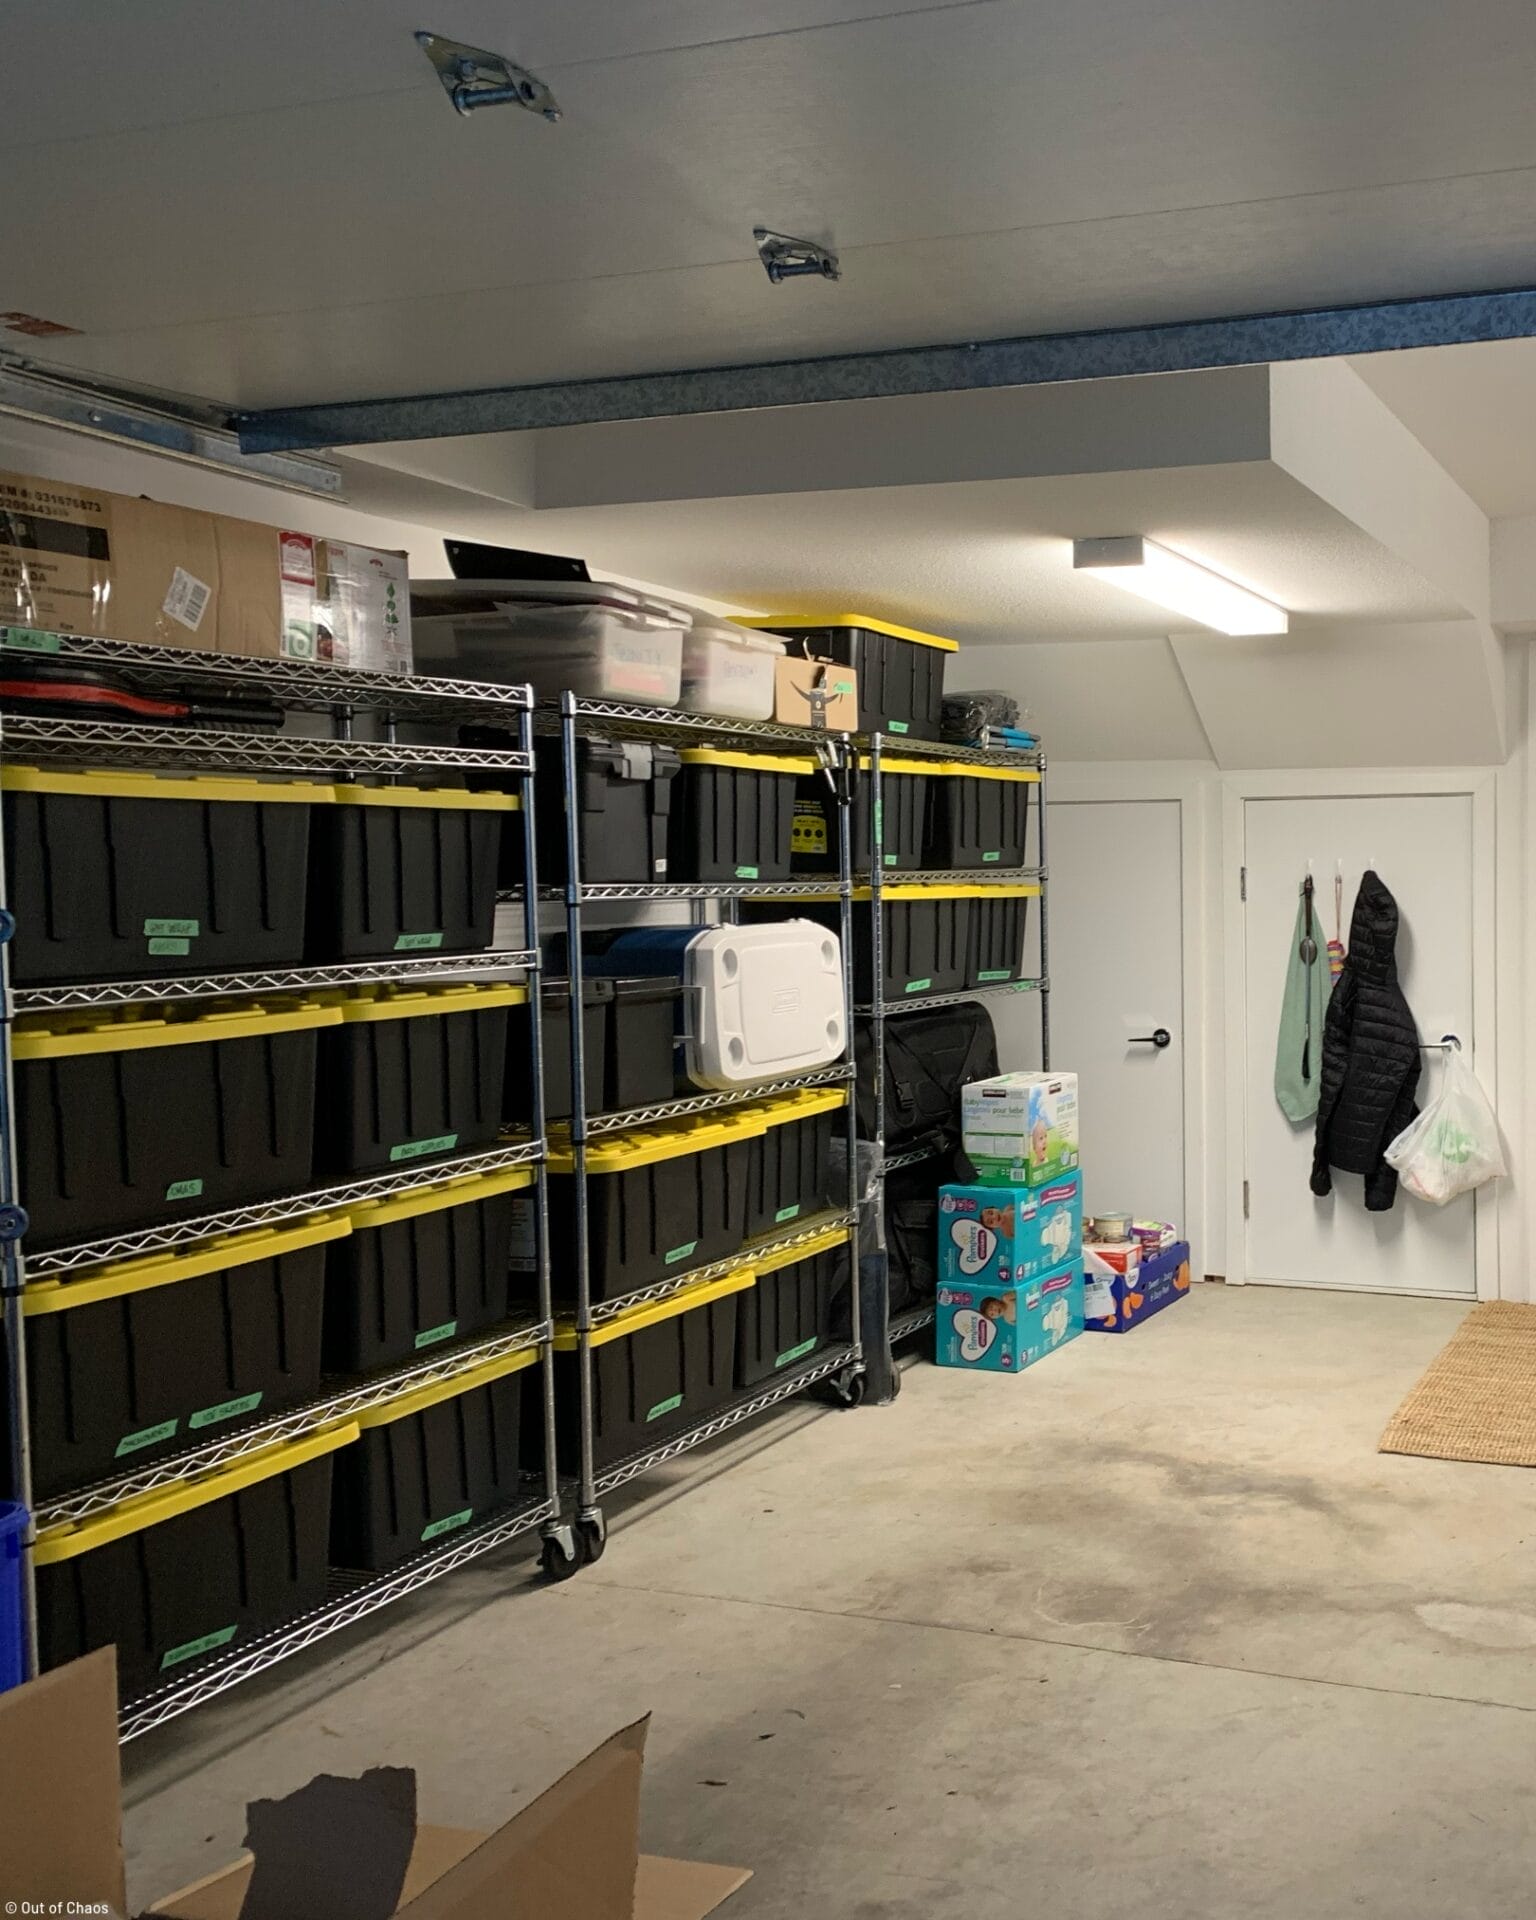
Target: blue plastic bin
point(13, 1618)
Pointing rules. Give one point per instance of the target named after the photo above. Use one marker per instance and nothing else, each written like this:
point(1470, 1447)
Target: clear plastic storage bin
point(727, 670)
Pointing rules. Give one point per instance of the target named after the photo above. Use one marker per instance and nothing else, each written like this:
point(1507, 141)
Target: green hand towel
point(1298, 1066)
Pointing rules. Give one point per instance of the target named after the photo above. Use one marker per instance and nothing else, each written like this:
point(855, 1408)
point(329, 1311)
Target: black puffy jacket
point(1371, 1055)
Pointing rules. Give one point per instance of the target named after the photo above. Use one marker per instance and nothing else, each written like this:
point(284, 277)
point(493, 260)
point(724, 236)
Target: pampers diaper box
point(997, 1328)
point(1009, 1234)
point(1020, 1129)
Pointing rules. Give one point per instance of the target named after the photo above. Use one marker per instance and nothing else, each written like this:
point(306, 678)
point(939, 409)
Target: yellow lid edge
point(468, 998)
point(124, 1036)
point(779, 620)
point(67, 1542)
point(448, 799)
point(790, 1256)
point(125, 784)
point(736, 1281)
point(755, 762)
point(1001, 890)
point(463, 1191)
point(450, 1389)
point(802, 1104)
point(644, 1146)
point(122, 1277)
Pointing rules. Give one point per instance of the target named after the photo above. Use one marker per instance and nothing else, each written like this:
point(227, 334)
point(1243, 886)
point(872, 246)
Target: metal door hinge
point(1242, 883)
point(1245, 1199)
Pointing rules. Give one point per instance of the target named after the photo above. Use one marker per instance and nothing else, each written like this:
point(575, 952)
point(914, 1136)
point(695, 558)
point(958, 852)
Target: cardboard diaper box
point(1114, 1301)
point(998, 1328)
point(81, 560)
point(344, 1849)
point(1009, 1234)
point(1021, 1128)
point(805, 689)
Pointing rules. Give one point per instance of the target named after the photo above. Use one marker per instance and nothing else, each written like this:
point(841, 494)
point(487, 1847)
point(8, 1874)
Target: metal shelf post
point(1045, 922)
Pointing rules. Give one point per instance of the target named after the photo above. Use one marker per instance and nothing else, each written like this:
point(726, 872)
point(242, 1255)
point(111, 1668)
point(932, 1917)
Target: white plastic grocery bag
point(1453, 1146)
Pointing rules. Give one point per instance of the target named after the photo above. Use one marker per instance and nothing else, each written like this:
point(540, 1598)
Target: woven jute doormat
point(1478, 1399)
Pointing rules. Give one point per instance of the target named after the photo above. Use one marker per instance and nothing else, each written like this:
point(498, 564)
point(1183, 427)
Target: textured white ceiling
point(278, 203)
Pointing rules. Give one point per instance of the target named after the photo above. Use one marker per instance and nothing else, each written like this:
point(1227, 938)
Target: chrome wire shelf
point(955, 877)
point(354, 1597)
point(885, 1007)
point(673, 725)
point(904, 1325)
point(803, 1230)
point(425, 968)
point(116, 743)
point(273, 1213)
point(603, 1123)
point(340, 1404)
point(747, 1407)
point(309, 684)
point(900, 746)
point(811, 889)
point(912, 1157)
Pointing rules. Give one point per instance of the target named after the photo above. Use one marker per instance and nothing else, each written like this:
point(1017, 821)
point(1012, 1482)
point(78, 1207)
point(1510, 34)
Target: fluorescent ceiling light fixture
point(1183, 586)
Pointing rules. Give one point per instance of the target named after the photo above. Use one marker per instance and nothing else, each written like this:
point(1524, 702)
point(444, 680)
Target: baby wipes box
point(1009, 1234)
point(1001, 1328)
point(1021, 1128)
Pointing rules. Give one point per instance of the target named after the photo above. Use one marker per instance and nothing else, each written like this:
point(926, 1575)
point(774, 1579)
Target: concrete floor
point(1151, 1631)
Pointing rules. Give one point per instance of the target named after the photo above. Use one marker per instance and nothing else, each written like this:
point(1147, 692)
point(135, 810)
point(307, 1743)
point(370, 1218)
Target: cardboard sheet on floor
point(574, 1851)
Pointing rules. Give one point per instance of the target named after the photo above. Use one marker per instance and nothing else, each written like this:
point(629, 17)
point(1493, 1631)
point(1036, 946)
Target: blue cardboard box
point(1114, 1304)
point(1004, 1329)
point(1009, 1234)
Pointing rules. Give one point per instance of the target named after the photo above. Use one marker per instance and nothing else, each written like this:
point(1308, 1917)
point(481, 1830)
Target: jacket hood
point(1373, 930)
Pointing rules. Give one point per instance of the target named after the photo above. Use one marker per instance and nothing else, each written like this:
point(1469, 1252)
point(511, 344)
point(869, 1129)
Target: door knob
point(1160, 1038)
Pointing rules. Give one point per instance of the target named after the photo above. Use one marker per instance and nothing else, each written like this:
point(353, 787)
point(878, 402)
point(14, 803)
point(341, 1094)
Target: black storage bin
point(912, 1232)
point(790, 1171)
point(121, 876)
point(980, 816)
point(900, 671)
point(791, 1312)
point(596, 1000)
point(733, 815)
point(197, 1570)
point(641, 1055)
point(624, 790)
point(429, 1465)
point(926, 938)
point(656, 1371)
point(130, 1118)
point(999, 918)
point(412, 1074)
point(144, 1358)
point(905, 789)
point(406, 870)
point(930, 1054)
point(659, 1201)
point(420, 1270)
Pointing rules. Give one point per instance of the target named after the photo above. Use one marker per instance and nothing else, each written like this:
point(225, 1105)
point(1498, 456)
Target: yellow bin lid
point(54, 1036)
point(797, 622)
point(736, 1281)
point(122, 1277)
point(670, 1141)
point(108, 784)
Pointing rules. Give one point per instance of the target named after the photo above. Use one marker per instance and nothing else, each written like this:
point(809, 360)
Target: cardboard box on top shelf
point(343, 1847)
point(802, 687)
point(82, 560)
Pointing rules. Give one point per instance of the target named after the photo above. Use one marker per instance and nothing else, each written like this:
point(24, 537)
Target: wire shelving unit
point(268, 745)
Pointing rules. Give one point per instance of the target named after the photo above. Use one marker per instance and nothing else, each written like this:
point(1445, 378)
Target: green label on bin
point(918, 986)
point(447, 1524)
point(183, 1189)
point(896, 726)
point(991, 856)
point(173, 929)
point(145, 1437)
point(415, 1149)
point(665, 1406)
point(429, 1336)
point(994, 973)
point(681, 1253)
point(170, 946)
point(786, 1213)
point(30, 639)
point(797, 1353)
point(225, 1410)
point(891, 859)
point(418, 942)
point(190, 1649)
point(746, 873)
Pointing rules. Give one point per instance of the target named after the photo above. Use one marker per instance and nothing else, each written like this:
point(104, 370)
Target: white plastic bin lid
point(707, 627)
point(485, 596)
point(769, 1002)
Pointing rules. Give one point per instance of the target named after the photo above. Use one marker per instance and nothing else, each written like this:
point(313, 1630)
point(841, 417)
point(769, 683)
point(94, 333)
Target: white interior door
point(1421, 845)
point(1117, 975)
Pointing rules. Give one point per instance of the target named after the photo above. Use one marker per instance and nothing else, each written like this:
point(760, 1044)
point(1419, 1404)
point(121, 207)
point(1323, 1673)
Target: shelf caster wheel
point(843, 1390)
point(560, 1556)
point(591, 1538)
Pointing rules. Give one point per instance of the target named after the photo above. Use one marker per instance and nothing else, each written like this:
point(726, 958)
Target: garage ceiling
point(277, 204)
